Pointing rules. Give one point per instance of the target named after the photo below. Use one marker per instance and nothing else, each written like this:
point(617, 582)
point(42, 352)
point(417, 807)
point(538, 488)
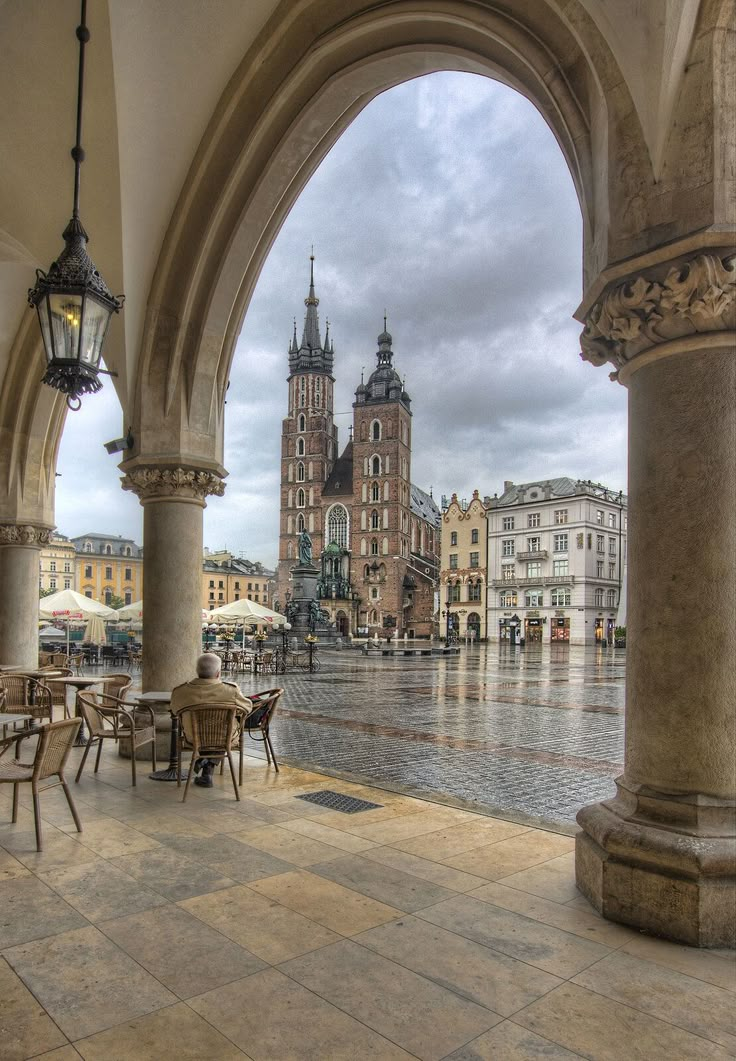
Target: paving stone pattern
point(536, 731)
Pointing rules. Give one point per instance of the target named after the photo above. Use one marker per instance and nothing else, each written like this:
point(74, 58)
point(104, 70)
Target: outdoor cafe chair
point(257, 724)
point(117, 684)
point(52, 751)
point(109, 718)
point(58, 692)
point(214, 727)
point(77, 661)
point(26, 695)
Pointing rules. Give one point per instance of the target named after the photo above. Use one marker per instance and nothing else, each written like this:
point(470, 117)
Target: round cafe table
point(78, 682)
point(170, 773)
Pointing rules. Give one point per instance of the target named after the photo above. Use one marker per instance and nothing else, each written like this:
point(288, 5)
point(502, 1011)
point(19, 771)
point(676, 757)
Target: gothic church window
point(300, 447)
point(385, 492)
point(376, 430)
point(302, 422)
point(385, 546)
point(300, 523)
point(337, 526)
point(375, 521)
point(300, 499)
point(374, 546)
point(376, 465)
point(375, 492)
point(300, 472)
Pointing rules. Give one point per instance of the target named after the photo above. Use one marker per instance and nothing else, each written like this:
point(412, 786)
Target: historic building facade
point(108, 566)
point(464, 568)
point(375, 535)
point(57, 564)
point(227, 578)
point(556, 562)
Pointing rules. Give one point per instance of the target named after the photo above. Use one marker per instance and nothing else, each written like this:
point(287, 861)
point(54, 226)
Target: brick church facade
point(375, 536)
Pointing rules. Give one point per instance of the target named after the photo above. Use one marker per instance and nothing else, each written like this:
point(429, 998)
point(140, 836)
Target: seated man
point(206, 688)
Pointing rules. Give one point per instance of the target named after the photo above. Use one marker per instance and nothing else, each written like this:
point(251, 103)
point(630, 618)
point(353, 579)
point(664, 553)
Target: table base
point(169, 774)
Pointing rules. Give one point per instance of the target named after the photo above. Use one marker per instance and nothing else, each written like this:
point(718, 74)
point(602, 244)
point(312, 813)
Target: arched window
point(302, 422)
point(88, 547)
point(300, 498)
point(366, 571)
point(317, 392)
point(337, 526)
point(300, 523)
point(474, 590)
point(373, 618)
point(375, 520)
point(108, 550)
point(375, 492)
point(374, 546)
point(127, 551)
point(300, 472)
point(375, 466)
point(300, 447)
point(376, 430)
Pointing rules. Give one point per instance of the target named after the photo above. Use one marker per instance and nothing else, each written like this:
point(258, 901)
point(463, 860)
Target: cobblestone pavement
point(534, 732)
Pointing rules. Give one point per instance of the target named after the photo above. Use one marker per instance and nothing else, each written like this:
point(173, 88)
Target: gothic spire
point(310, 354)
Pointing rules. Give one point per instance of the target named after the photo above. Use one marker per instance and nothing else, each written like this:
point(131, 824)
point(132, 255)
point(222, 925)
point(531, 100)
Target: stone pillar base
point(665, 864)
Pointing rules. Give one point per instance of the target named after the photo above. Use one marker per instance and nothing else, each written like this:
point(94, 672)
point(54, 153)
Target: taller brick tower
point(308, 440)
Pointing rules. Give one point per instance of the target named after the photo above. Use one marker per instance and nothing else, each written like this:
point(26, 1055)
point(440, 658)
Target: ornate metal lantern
point(73, 302)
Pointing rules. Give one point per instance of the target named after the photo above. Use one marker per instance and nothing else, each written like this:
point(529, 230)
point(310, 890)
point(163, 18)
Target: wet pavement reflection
point(530, 732)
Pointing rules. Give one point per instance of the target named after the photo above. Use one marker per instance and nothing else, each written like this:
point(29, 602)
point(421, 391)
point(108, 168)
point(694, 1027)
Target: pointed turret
point(310, 354)
point(384, 383)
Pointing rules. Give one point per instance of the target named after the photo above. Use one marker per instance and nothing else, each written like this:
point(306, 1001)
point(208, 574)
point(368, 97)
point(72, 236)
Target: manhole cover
point(338, 801)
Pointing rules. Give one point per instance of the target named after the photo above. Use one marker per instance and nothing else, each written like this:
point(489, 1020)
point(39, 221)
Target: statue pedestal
point(304, 578)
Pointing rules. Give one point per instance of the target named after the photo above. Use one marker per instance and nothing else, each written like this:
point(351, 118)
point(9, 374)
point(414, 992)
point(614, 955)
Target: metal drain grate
point(338, 801)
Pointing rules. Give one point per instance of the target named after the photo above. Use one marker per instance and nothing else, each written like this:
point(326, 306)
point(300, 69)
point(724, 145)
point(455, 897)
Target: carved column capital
point(179, 484)
point(667, 305)
point(24, 534)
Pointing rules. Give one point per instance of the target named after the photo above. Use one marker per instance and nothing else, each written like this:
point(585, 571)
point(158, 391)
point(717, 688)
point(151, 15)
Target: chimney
point(507, 484)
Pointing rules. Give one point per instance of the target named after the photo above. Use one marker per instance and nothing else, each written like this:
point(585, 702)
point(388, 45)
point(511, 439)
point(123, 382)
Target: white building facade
point(556, 562)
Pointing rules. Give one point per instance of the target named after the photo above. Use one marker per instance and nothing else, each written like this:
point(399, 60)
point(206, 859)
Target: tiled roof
point(340, 482)
point(543, 489)
point(423, 505)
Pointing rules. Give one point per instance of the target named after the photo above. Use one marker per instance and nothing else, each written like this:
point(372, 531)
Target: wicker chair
point(117, 684)
point(214, 728)
point(54, 744)
point(109, 718)
point(27, 696)
point(58, 692)
point(257, 724)
point(77, 661)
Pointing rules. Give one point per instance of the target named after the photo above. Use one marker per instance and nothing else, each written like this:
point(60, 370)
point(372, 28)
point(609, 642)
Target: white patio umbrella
point(246, 611)
point(95, 630)
point(132, 613)
point(69, 605)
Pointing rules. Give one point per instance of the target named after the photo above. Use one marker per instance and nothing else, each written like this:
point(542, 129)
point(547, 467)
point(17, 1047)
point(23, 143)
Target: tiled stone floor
point(276, 929)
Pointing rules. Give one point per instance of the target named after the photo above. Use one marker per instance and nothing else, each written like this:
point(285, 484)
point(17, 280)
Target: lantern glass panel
point(96, 320)
point(45, 322)
point(65, 311)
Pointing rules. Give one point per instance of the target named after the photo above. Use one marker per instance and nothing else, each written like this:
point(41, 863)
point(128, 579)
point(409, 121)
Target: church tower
point(381, 526)
point(308, 439)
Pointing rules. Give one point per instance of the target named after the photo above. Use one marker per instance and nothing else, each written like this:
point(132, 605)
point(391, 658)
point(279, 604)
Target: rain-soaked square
point(533, 731)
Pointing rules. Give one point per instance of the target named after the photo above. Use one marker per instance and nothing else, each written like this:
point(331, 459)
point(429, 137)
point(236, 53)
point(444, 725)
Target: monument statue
point(305, 549)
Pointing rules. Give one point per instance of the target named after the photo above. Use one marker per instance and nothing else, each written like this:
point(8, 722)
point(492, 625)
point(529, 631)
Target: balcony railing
point(539, 554)
point(546, 580)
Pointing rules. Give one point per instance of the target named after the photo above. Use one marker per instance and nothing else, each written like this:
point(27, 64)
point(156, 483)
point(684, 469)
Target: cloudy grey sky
point(448, 203)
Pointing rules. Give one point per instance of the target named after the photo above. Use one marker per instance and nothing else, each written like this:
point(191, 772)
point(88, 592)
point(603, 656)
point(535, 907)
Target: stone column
point(661, 855)
point(173, 500)
point(20, 551)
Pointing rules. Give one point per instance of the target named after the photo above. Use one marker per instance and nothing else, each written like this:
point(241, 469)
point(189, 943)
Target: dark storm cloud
point(446, 203)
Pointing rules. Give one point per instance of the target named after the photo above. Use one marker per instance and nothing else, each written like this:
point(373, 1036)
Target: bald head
point(209, 665)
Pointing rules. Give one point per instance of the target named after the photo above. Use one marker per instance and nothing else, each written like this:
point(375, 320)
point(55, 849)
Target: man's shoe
point(198, 765)
point(205, 781)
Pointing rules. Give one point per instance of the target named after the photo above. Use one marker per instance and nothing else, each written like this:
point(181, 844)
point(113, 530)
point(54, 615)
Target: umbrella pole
point(67, 637)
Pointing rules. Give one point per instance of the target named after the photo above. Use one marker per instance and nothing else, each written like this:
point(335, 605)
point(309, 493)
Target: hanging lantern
point(73, 302)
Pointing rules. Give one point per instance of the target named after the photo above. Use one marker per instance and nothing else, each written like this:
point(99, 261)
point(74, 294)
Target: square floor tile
point(672, 996)
point(329, 835)
point(100, 890)
point(294, 1025)
point(171, 874)
point(328, 903)
point(29, 909)
point(554, 879)
point(597, 1027)
point(509, 856)
point(434, 872)
point(86, 983)
point(417, 1014)
point(287, 845)
point(180, 950)
point(459, 838)
point(485, 976)
point(174, 1031)
point(509, 1042)
point(403, 891)
point(259, 924)
point(25, 1030)
point(111, 839)
point(543, 946)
